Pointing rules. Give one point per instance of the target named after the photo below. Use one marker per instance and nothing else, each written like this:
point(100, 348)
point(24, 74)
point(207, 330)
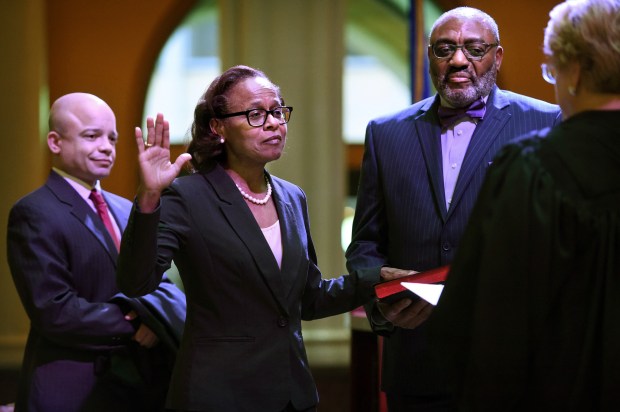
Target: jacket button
point(445, 246)
point(282, 321)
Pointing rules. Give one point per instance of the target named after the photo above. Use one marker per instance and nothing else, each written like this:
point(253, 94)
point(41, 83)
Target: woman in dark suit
point(241, 240)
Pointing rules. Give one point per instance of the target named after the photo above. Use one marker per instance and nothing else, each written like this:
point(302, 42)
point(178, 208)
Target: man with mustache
point(90, 348)
point(421, 173)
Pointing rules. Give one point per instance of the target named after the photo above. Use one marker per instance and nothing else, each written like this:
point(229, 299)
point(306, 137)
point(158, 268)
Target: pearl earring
point(221, 140)
point(572, 91)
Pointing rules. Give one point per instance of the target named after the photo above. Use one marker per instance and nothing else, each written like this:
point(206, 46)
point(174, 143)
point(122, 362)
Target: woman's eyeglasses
point(258, 117)
point(548, 73)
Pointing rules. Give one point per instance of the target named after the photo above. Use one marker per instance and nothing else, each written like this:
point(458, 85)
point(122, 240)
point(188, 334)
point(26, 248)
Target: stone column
point(23, 115)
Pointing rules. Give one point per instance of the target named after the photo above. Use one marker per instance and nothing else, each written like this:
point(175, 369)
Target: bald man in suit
point(89, 347)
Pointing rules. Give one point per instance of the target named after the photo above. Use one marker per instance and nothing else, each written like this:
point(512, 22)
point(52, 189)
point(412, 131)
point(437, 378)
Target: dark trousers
point(291, 408)
point(399, 402)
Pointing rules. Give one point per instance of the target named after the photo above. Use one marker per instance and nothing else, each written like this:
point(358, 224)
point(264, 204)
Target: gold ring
point(147, 145)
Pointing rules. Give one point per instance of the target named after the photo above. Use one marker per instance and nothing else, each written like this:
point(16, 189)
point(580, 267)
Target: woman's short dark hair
point(205, 146)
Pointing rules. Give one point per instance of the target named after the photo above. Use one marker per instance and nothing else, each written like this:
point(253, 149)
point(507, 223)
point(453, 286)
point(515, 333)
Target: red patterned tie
point(102, 211)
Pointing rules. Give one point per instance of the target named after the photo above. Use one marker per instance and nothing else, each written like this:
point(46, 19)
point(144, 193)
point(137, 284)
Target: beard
point(481, 86)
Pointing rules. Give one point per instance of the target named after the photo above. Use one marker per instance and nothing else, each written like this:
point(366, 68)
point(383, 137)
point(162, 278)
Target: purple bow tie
point(449, 116)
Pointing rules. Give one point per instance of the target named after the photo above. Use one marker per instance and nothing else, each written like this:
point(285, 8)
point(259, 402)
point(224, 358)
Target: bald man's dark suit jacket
point(63, 263)
point(401, 218)
point(243, 348)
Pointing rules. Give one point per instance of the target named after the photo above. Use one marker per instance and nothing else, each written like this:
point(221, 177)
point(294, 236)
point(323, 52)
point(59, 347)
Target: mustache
point(460, 72)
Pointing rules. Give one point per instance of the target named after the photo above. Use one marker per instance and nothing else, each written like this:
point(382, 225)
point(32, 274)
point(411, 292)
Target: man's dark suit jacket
point(401, 218)
point(243, 348)
point(79, 355)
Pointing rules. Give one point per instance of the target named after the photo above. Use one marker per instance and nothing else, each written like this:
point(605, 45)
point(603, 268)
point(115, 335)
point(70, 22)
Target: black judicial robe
point(530, 316)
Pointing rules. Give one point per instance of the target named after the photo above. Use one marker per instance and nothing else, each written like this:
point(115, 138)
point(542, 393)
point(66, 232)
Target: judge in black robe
point(530, 315)
point(529, 319)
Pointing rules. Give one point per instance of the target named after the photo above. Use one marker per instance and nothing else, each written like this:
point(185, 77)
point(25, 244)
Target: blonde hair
point(587, 32)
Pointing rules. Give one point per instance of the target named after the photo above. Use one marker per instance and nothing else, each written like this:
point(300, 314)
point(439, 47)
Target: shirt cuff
point(379, 323)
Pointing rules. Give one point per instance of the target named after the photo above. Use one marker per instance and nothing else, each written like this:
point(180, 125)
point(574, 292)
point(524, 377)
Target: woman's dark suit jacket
point(243, 348)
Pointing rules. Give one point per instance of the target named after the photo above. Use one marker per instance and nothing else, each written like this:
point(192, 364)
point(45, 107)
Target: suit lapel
point(78, 208)
point(291, 244)
point(429, 135)
point(243, 223)
point(487, 131)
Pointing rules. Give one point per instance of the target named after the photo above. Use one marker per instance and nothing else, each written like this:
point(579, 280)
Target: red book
point(392, 290)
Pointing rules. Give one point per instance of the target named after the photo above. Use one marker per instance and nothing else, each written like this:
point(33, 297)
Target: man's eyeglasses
point(548, 73)
point(258, 117)
point(474, 50)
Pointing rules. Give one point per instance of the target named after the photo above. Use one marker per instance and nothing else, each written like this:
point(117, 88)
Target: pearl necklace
point(254, 200)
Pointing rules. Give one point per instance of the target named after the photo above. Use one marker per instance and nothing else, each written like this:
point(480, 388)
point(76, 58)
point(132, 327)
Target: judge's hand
point(144, 335)
point(406, 313)
point(156, 170)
